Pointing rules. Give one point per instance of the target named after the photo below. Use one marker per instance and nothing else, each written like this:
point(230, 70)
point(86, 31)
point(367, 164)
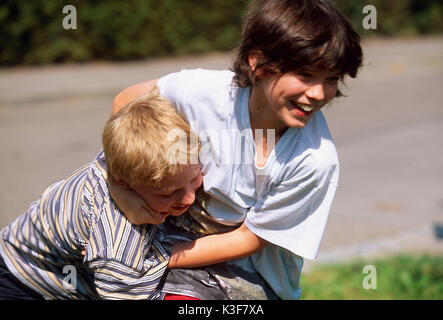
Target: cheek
point(270, 88)
point(331, 91)
point(158, 204)
point(286, 88)
point(199, 182)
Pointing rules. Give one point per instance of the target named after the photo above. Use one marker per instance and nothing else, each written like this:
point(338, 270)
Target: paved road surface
point(389, 134)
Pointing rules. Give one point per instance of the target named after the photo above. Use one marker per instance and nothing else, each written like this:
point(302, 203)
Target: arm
point(131, 93)
point(132, 205)
point(216, 248)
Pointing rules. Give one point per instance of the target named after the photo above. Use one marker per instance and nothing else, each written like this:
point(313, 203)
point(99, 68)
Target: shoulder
point(96, 190)
point(313, 155)
point(323, 152)
point(323, 148)
point(97, 171)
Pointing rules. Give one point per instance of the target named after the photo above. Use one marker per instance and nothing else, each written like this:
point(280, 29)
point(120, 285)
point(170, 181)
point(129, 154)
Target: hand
point(136, 210)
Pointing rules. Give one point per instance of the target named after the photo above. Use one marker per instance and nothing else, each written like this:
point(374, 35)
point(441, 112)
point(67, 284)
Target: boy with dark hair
point(292, 56)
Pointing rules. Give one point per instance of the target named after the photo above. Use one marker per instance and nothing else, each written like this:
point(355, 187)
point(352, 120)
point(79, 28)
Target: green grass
point(401, 277)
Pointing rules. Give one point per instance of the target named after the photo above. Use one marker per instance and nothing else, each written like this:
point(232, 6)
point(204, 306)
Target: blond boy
point(41, 251)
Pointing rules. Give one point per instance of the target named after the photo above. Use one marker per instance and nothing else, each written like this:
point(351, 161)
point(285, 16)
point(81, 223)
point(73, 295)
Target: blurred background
point(57, 87)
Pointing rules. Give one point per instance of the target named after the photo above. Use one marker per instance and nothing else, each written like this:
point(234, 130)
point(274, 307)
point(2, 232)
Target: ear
point(122, 183)
point(253, 58)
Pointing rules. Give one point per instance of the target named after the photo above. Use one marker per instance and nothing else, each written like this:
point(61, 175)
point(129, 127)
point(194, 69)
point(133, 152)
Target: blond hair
point(147, 140)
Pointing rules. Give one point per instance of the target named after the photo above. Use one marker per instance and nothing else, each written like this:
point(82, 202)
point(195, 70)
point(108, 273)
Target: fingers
point(156, 217)
point(144, 215)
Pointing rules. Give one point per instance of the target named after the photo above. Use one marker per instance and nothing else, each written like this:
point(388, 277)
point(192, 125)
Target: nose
point(316, 91)
point(187, 198)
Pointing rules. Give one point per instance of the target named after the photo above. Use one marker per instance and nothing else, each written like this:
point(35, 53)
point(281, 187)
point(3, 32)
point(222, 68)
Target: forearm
point(216, 248)
point(131, 93)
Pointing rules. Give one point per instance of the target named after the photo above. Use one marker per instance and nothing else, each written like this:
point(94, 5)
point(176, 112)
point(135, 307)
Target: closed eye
point(166, 195)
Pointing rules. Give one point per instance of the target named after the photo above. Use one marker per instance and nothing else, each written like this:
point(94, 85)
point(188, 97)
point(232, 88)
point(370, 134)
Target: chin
point(296, 124)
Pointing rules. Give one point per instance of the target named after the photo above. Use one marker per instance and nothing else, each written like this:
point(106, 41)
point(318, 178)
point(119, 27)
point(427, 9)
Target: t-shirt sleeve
point(294, 213)
point(199, 95)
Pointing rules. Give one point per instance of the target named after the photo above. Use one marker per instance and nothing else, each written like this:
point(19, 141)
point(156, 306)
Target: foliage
point(401, 277)
point(397, 18)
point(31, 32)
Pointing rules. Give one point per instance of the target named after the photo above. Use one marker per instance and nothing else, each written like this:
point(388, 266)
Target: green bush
point(397, 18)
point(31, 31)
point(401, 277)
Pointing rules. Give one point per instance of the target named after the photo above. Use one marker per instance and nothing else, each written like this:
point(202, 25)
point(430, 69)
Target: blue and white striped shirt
point(43, 246)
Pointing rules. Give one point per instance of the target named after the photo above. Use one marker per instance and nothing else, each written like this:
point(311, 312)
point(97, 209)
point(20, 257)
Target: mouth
point(179, 209)
point(304, 110)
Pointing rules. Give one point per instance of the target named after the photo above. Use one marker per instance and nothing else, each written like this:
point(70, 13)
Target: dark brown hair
point(296, 36)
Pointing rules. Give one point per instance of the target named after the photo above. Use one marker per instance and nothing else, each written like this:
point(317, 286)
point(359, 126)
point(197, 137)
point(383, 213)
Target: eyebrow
point(170, 190)
point(164, 190)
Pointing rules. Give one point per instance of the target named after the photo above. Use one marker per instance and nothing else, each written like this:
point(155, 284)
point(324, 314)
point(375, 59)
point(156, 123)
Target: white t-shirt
point(286, 202)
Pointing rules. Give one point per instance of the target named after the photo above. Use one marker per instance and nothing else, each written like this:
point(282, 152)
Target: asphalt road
point(388, 131)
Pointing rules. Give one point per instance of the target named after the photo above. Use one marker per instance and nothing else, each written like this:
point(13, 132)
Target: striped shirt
point(42, 247)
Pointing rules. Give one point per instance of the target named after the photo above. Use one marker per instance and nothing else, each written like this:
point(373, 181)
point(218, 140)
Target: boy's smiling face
point(294, 98)
point(290, 99)
point(176, 193)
